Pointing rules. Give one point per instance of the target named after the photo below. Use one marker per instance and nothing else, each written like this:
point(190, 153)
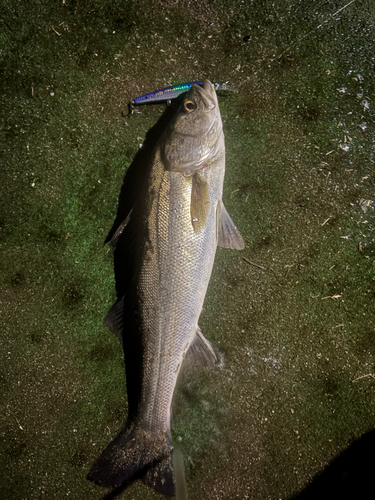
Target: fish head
point(194, 138)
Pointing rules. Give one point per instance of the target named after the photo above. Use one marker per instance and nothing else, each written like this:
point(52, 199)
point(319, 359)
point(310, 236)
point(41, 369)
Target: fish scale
point(180, 302)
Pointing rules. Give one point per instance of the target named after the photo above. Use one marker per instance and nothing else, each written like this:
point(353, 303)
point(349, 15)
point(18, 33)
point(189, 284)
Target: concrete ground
point(291, 415)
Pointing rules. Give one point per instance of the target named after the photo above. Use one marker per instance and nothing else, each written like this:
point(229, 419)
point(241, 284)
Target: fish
point(171, 235)
point(168, 93)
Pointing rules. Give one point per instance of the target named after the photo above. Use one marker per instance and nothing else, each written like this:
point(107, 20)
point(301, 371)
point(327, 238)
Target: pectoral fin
point(228, 234)
point(200, 202)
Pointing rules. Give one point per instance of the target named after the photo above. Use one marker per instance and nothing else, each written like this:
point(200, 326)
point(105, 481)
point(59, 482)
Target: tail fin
point(160, 477)
point(136, 453)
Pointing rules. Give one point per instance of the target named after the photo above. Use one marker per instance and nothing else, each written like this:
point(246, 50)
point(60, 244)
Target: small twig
point(19, 425)
point(332, 297)
point(231, 392)
point(232, 193)
point(252, 263)
point(364, 376)
point(325, 222)
point(57, 33)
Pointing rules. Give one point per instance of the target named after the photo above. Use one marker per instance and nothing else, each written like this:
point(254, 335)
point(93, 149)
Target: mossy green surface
point(300, 186)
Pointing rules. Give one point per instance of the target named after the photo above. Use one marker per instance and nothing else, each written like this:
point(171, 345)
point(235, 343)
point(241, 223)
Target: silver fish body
point(177, 228)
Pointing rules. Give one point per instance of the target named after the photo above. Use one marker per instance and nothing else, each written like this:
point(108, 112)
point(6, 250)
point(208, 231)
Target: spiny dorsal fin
point(229, 236)
point(200, 202)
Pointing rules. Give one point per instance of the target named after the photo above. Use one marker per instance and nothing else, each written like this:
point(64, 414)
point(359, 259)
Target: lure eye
point(189, 106)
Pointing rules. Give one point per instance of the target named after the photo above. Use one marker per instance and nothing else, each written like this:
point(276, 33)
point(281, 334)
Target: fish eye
point(189, 106)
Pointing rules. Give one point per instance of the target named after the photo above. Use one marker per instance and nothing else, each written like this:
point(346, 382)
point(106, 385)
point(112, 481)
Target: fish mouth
point(207, 94)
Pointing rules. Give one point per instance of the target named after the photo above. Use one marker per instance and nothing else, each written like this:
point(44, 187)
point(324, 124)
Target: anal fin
point(202, 350)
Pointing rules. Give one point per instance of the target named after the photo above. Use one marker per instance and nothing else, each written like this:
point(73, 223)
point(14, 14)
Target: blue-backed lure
point(169, 93)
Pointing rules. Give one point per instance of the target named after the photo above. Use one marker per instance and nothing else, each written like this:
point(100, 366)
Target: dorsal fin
point(115, 318)
point(116, 236)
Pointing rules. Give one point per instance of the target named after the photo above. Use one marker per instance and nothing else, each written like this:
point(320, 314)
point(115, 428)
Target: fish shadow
point(348, 476)
point(124, 262)
point(130, 194)
point(125, 255)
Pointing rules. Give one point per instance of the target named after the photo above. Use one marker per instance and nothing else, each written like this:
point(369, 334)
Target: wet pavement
point(291, 414)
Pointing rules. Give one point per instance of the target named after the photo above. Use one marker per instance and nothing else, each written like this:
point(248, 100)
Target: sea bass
point(173, 232)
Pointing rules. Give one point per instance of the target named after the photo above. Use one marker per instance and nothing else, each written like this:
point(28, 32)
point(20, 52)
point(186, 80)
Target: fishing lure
point(169, 93)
